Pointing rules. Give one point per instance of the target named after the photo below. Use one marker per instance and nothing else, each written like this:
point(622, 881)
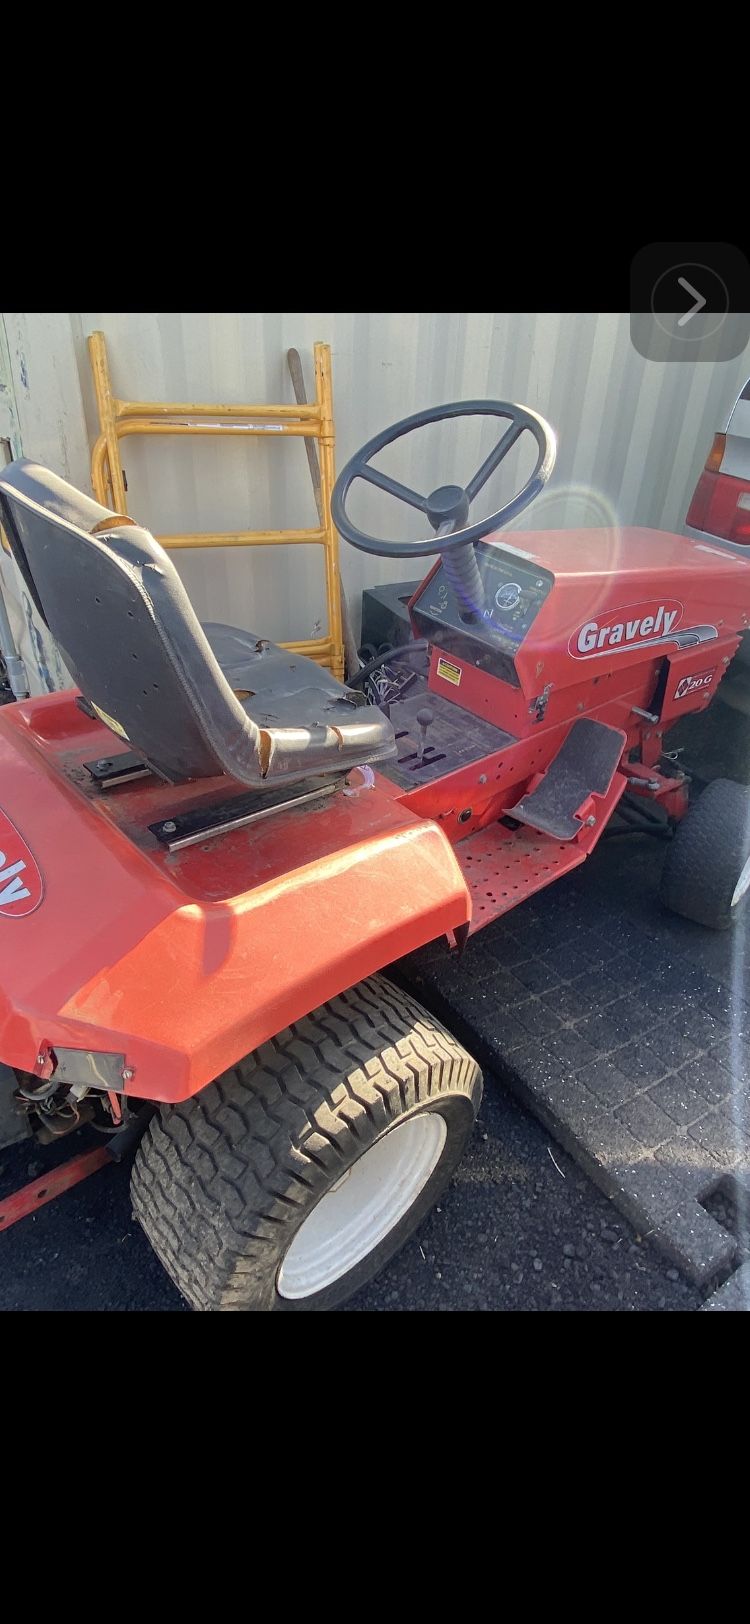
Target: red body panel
point(184, 963)
point(606, 578)
point(598, 572)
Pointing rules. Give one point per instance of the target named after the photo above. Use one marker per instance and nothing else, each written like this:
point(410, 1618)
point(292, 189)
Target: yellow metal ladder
point(119, 418)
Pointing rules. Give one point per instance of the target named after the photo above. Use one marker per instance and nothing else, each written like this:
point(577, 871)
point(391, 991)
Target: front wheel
point(292, 1179)
point(706, 874)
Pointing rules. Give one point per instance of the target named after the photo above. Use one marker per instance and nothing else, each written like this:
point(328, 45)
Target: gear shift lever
point(424, 718)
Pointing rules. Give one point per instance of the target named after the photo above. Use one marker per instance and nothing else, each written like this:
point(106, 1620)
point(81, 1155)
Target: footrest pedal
point(584, 765)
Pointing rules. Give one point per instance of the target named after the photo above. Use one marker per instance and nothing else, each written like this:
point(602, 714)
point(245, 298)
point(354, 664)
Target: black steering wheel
point(447, 508)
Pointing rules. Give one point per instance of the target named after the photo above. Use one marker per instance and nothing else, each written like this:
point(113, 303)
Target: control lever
point(424, 718)
point(462, 571)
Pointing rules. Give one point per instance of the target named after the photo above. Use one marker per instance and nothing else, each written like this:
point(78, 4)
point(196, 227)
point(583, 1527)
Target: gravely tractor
point(211, 849)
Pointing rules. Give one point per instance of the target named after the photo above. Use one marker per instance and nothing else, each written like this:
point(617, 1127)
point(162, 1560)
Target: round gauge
point(508, 596)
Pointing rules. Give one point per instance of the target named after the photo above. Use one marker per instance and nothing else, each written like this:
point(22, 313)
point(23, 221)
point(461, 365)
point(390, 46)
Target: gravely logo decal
point(21, 887)
point(636, 624)
point(691, 684)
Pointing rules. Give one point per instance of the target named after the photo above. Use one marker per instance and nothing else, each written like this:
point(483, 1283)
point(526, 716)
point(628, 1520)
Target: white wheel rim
point(364, 1206)
point(742, 884)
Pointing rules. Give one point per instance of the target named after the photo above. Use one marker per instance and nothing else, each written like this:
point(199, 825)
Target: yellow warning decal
point(451, 672)
point(109, 721)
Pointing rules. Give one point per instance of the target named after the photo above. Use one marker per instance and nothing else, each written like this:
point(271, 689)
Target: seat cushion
point(279, 689)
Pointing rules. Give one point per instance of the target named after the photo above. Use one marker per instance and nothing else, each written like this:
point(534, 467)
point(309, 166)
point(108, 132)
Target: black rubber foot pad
point(584, 765)
point(627, 1032)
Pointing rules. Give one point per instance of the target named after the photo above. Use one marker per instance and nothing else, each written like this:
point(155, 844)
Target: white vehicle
point(720, 508)
point(720, 511)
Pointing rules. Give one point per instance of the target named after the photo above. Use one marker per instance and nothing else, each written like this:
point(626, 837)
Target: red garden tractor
point(211, 849)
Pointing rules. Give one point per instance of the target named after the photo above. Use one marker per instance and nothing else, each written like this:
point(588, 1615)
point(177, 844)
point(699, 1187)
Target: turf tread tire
point(707, 854)
point(220, 1182)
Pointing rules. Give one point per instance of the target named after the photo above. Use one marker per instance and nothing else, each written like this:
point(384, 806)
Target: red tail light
point(721, 503)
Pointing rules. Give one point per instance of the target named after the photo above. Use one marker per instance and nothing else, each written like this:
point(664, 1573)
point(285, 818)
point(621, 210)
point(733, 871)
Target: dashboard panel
point(513, 591)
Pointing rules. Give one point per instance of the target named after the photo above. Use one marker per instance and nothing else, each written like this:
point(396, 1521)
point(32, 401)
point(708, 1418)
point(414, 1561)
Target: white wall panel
point(632, 434)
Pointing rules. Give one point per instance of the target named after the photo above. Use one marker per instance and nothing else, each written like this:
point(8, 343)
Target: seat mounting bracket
point(206, 823)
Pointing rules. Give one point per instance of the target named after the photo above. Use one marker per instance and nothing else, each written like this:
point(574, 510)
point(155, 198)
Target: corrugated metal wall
point(632, 434)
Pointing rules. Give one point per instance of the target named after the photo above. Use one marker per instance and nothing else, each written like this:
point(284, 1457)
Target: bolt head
point(169, 827)
point(40, 1059)
point(128, 1073)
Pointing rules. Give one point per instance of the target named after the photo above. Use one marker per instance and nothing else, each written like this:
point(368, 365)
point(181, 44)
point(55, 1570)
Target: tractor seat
point(277, 688)
point(193, 703)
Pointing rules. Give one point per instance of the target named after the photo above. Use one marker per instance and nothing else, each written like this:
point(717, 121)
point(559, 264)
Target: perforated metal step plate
point(502, 870)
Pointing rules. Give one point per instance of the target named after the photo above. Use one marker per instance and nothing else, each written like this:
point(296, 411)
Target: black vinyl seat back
point(116, 607)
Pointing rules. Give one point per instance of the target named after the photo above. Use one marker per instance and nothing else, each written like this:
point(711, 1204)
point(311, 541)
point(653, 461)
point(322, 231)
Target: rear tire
point(706, 874)
point(259, 1192)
